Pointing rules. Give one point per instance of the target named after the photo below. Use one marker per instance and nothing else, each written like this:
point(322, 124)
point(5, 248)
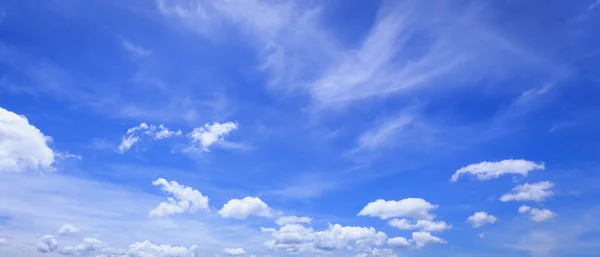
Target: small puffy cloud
point(415, 208)
point(135, 134)
point(23, 146)
point(207, 135)
point(481, 218)
point(538, 192)
point(491, 170)
point(537, 215)
point(242, 208)
point(423, 238)
point(67, 229)
point(184, 199)
point(234, 251)
point(88, 245)
point(292, 220)
point(399, 242)
point(422, 225)
point(147, 249)
point(47, 244)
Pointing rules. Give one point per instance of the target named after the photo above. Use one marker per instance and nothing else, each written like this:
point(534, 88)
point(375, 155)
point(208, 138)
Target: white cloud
point(293, 238)
point(415, 208)
point(399, 242)
point(234, 251)
point(423, 238)
point(47, 244)
point(292, 220)
point(134, 49)
point(87, 246)
point(242, 208)
point(491, 170)
point(23, 147)
point(4, 242)
point(67, 229)
point(481, 235)
point(135, 134)
point(538, 192)
point(423, 225)
point(537, 215)
point(481, 218)
point(204, 137)
point(67, 155)
point(147, 249)
point(185, 199)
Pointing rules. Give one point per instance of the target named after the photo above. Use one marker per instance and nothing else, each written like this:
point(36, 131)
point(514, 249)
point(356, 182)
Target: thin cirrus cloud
point(491, 170)
point(538, 192)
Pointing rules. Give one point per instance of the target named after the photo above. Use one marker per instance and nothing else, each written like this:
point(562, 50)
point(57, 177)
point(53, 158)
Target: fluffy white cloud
point(87, 246)
point(415, 208)
point(23, 147)
point(423, 225)
point(67, 230)
point(204, 137)
point(185, 199)
point(47, 244)
point(242, 208)
point(234, 251)
point(133, 135)
point(292, 220)
point(424, 238)
point(538, 192)
point(481, 218)
point(294, 238)
point(399, 242)
point(537, 215)
point(490, 170)
point(147, 249)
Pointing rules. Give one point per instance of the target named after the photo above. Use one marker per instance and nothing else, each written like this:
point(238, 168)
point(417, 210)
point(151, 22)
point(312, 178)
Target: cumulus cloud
point(415, 208)
point(293, 238)
point(491, 170)
point(422, 225)
point(67, 230)
point(47, 244)
point(479, 219)
point(23, 146)
point(145, 248)
point(399, 242)
point(88, 245)
point(242, 208)
point(538, 192)
point(207, 135)
point(537, 215)
point(234, 251)
point(135, 134)
point(292, 220)
point(184, 199)
point(423, 238)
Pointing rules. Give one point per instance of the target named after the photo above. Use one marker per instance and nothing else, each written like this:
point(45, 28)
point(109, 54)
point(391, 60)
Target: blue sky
point(308, 128)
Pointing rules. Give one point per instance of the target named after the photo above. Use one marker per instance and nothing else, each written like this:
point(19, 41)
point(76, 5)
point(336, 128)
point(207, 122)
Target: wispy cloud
point(135, 50)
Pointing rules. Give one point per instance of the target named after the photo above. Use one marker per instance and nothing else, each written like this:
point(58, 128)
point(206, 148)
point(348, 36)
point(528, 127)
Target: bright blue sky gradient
point(335, 104)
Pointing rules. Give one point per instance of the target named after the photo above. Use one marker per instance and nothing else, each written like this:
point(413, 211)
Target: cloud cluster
point(23, 146)
point(47, 244)
point(491, 170)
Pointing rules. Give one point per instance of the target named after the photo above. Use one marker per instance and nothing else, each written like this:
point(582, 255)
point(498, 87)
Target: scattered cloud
point(67, 229)
point(135, 50)
point(88, 245)
point(422, 225)
point(184, 199)
point(234, 251)
point(204, 137)
point(538, 192)
point(146, 248)
point(480, 219)
point(491, 170)
point(292, 220)
point(24, 147)
point(424, 238)
point(415, 208)
point(242, 208)
point(399, 242)
point(133, 135)
point(47, 244)
point(537, 215)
